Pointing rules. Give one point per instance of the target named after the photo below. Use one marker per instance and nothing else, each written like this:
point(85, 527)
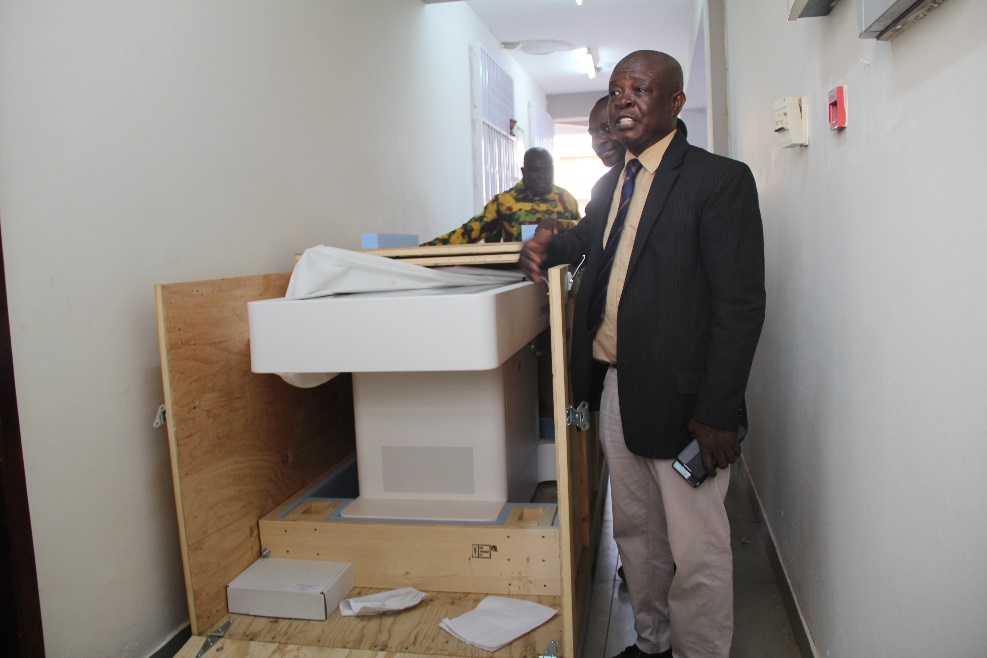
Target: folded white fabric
point(324, 271)
point(497, 621)
point(382, 602)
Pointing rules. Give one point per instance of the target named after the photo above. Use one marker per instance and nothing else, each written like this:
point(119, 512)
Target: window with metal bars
point(498, 155)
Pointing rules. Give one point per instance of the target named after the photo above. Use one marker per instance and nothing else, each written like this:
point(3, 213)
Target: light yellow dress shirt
point(605, 342)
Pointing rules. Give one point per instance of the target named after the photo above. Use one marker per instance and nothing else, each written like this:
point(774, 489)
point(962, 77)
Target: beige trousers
point(674, 543)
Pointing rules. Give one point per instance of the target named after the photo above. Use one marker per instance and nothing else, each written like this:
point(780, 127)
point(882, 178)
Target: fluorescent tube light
point(587, 63)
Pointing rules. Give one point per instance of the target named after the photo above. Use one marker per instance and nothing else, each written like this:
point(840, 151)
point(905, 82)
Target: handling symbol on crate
point(483, 551)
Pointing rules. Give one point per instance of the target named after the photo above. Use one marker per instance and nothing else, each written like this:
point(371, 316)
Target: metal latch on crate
point(578, 416)
point(213, 638)
point(550, 651)
point(571, 276)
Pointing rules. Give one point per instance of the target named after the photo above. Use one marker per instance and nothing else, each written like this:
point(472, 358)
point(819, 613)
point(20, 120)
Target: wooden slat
point(441, 557)
point(240, 442)
point(482, 248)
point(474, 259)
point(502, 253)
point(248, 649)
point(578, 476)
point(567, 479)
point(495, 253)
point(411, 633)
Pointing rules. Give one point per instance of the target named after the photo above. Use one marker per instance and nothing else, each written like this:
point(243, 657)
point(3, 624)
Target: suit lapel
point(665, 177)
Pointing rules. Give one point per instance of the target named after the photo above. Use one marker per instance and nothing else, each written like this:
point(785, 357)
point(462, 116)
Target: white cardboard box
point(295, 589)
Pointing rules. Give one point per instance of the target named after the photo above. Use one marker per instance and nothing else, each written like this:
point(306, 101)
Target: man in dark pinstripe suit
point(664, 332)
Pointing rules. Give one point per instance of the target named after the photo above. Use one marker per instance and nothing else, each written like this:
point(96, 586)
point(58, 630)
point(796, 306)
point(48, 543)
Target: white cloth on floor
point(382, 602)
point(324, 271)
point(497, 621)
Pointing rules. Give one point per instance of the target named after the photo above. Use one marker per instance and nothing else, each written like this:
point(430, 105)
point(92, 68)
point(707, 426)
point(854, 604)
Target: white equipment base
point(467, 440)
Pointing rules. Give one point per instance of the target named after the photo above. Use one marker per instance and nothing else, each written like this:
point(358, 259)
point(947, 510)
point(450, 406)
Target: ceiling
point(610, 28)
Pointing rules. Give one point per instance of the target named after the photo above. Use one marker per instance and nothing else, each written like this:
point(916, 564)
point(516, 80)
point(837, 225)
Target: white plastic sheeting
point(323, 271)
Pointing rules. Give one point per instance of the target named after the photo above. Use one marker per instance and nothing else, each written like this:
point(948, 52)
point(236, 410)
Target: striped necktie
point(598, 297)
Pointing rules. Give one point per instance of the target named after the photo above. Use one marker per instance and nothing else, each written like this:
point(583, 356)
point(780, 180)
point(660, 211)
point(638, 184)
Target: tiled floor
point(761, 625)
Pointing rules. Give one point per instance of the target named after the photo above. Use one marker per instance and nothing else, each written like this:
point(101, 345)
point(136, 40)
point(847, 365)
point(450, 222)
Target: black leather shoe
point(633, 652)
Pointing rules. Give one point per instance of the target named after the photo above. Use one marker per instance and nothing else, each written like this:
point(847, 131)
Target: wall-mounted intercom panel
point(790, 121)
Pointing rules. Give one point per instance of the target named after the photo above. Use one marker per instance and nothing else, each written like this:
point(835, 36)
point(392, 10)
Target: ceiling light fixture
point(579, 2)
point(538, 46)
point(587, 63)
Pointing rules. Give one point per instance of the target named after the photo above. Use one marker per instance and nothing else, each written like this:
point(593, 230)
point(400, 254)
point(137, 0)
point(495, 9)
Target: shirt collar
point(522, 193)
point(651, 157)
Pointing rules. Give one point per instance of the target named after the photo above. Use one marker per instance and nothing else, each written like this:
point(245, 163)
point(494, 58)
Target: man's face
point(539, 174)
point(644, 101)
point(605, 144)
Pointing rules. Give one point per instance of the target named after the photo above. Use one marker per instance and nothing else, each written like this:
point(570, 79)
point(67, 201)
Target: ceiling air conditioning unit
point(886, 19)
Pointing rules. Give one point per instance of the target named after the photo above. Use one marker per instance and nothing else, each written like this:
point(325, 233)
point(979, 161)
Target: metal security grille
point(542, 128)
point(498, 158)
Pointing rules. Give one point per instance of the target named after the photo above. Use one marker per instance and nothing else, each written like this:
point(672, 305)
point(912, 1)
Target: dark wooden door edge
point(20, 632)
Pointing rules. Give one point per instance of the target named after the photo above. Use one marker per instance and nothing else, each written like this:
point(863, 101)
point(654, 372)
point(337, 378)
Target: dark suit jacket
point(693, 302)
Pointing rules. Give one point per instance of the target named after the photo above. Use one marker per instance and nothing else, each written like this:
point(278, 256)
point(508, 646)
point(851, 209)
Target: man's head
point(604, 143)
point(538, 171)
point(645, 98)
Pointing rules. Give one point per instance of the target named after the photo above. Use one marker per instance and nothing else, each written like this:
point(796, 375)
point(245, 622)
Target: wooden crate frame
point(244, 446)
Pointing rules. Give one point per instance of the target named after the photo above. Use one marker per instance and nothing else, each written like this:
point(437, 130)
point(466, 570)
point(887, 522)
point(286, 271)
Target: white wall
point(166, 141)
point(869, 383)
point(574, 108)
point(696, 123)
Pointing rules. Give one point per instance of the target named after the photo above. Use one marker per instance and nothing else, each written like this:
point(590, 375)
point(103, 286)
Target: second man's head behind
point(605, 145)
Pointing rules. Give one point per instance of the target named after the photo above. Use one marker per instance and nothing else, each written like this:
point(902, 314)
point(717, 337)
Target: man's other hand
point(533, 253)
point(719, 448)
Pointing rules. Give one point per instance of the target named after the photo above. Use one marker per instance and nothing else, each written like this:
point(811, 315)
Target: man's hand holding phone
point(719, 448)
point(710, 449)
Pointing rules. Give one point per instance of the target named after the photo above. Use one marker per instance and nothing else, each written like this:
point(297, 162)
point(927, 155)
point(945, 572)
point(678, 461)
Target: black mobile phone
point(689, 463)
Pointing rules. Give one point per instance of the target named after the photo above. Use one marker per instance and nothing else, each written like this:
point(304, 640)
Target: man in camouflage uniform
point(532, 201)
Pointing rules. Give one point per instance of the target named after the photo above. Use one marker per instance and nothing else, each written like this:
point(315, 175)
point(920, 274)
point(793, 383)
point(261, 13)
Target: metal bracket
point(578, 416)
point(159, 418)
point(550, 651)
point(571, 276)
point(214, 637)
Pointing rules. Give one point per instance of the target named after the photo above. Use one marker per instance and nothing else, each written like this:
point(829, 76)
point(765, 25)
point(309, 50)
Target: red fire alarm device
point(837, 108)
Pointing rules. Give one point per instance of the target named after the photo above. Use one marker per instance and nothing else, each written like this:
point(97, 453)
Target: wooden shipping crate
point(247, 449)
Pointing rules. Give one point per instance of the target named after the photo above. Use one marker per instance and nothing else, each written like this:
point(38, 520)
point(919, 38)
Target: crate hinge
point(578, 416)
point(213, 638)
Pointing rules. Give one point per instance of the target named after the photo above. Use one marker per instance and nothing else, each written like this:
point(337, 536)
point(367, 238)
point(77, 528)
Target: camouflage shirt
point(506, 213)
